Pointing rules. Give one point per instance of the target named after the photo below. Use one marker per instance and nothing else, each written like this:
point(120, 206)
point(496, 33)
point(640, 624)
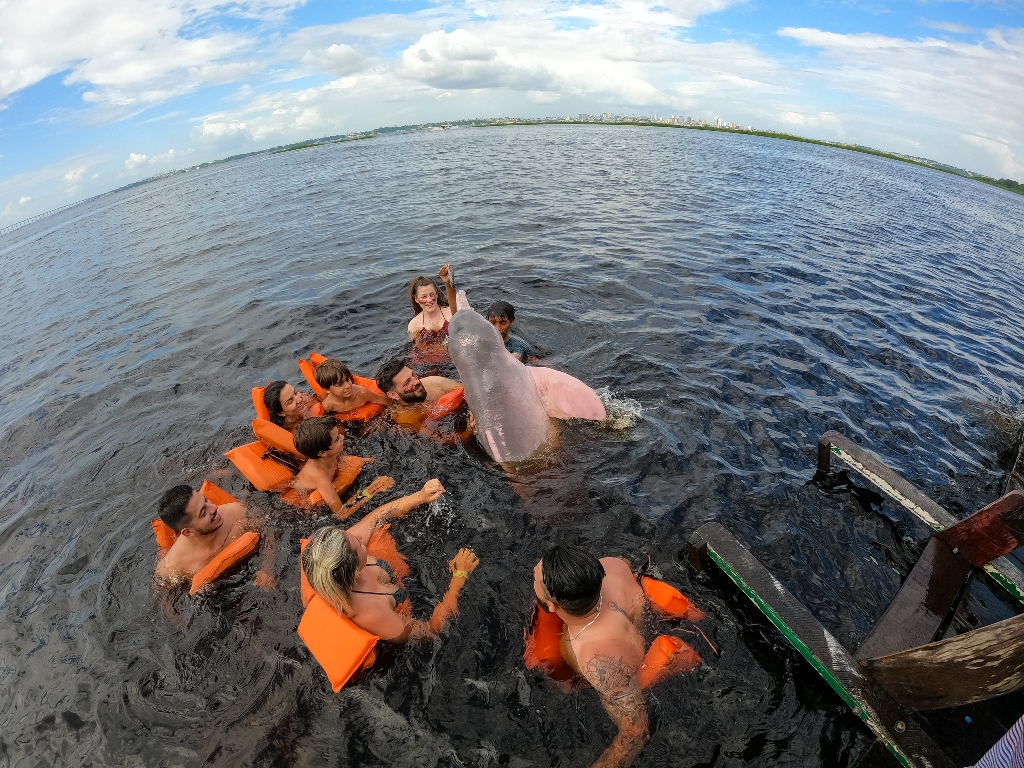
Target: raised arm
point(447, 275)
point(616, 683)
point(397, 509)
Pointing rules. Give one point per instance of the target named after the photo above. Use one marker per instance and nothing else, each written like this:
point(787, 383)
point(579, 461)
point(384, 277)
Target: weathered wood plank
point(889, 722)
point(974, 666)
point(923, 604)
point(1004, 572)
point(991, 532)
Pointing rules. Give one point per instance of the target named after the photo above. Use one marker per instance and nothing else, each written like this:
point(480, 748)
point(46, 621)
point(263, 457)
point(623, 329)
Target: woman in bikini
point(363, 588)
point(428, 329)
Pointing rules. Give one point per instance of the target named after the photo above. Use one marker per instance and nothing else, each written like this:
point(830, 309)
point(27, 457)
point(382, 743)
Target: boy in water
point(343, 394)
point(502, 316)
point(323, 442)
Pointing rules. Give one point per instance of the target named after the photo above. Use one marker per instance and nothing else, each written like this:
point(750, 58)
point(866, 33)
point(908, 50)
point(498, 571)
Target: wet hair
point(330, 565)
point(272, 399)
point(331, 373)
point(172, 507)
point(573, 578)
point(313, 436)
point(387, 372)
point(422, 282)
point(501, 309)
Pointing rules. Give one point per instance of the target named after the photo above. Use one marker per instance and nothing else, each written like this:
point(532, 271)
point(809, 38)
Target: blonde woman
point(359, 586)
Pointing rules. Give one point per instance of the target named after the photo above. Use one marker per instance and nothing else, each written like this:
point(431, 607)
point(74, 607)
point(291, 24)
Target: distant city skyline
point(96, 95)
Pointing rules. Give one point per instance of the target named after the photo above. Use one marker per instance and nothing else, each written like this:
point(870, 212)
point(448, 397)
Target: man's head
point(188, 512)
point(332, 373)
point(319, 436)
point(501, 315)
point(568, 578)
point(396, 380)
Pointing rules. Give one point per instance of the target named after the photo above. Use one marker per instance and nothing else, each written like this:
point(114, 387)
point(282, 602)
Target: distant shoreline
point(1007, 184)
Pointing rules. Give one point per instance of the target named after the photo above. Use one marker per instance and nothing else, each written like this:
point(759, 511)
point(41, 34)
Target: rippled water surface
point(746, 293)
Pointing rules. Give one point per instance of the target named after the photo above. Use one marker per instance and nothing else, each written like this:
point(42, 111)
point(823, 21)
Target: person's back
point(601, 605)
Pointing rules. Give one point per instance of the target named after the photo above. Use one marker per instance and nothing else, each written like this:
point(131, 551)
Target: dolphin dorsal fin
point(461, 302)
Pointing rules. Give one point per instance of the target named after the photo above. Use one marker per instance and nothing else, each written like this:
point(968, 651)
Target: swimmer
point(428, 329)
point(411, 395)
point(322, 440)
point(602, 607)
point(361, 587)
point(502, 316)
point(343, 394)
point(288, 408)
point(204, 529)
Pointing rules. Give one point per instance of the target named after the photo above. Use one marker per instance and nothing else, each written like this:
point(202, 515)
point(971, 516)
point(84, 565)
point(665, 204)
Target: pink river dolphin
point(511, 402)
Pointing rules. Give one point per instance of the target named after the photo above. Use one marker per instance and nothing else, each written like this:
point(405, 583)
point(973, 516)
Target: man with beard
point(414, 397)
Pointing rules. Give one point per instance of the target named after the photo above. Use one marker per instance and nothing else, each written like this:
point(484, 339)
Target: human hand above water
point(465, 561)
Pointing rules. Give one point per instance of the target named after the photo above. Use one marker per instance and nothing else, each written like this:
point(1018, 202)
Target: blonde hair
point(330, 565)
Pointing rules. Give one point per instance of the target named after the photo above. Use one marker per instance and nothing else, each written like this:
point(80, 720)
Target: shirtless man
point(322, 441)
point(602, 607)
point(204, 529)
point(412, 396)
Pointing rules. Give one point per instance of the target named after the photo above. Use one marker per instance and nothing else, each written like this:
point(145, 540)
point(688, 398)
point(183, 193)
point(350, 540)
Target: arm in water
point(397, 509)
point(616, 683)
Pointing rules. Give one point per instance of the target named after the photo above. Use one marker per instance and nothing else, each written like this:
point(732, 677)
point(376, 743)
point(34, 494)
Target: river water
point(736, 296)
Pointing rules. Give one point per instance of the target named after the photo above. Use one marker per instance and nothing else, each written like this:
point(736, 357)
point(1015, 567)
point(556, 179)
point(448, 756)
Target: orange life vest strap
point(667, 656)
point(273, 436)
point(165, 535)
point(448, 403)
point(669, 600)
point(264, 473)
point(341, 648)
point(235, 553)
point(316, 358)
point(259, 405)
point(307, 369)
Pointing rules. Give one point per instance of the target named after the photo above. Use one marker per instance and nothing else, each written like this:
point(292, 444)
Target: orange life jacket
point(340, 646)
point(254, 461)
point(667, 655)
point(364, 412)
point(235, 553)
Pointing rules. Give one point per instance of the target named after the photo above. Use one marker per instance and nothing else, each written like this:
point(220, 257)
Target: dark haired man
point(412, 395)
point(602, 607)
point(203, 529)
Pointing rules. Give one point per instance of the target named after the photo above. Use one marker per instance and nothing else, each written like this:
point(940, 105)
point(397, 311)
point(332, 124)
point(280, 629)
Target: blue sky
point(95, 94)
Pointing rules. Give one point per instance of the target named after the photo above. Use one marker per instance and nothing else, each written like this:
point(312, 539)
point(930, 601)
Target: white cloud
point(460, 59)
point(138, 160)
point(932, 83)
point(133, 53)
point(1001, 152)
point(948, 26)
point(74, 176)
point(24, 200)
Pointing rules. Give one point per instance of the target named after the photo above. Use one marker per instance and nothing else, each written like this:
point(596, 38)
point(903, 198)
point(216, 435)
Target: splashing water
point(623, 412)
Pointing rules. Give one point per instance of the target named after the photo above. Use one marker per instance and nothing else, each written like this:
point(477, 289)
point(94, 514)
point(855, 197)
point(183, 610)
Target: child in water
point(502, 316)
point(343, 394)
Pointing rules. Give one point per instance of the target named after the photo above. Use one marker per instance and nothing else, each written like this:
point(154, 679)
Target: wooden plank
point(991, 532)
point(1002, 570)
point(891, 724)
point(974, 666)
point(922, 606)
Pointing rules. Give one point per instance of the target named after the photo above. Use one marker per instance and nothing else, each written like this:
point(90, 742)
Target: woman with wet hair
point(359, 586)
point(288, 408)
point(428, 329)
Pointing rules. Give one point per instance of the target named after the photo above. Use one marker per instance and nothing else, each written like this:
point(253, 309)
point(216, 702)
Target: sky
point(96, 94)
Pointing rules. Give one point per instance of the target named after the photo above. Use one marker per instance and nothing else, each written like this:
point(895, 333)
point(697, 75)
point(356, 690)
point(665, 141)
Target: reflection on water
point(733, 296)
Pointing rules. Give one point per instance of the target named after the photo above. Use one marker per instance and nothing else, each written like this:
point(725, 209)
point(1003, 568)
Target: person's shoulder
point(517, 345)
point(607, 661)
point(417, 322)
point(617, 565)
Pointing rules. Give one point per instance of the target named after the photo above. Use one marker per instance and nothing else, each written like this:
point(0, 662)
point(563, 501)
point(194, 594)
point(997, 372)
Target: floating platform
point(902, 666)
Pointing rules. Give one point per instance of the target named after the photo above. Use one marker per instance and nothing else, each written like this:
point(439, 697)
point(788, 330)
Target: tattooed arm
point(616, 683)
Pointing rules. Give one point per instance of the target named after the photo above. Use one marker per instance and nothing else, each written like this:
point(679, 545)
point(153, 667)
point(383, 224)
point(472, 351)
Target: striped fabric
point(1008, 751)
